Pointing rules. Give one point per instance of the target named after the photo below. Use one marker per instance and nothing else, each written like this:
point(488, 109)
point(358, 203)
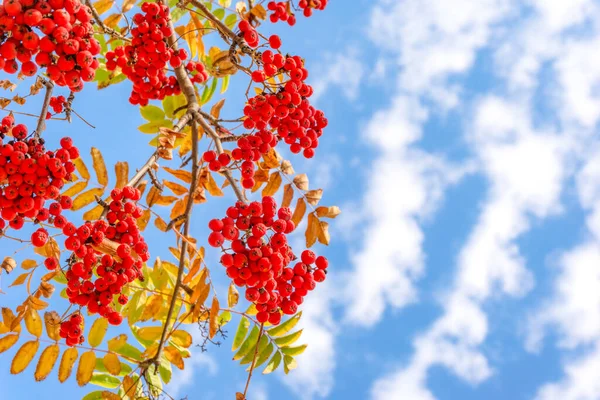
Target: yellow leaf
point(153, 306)
point(190, 37)
point(103, 6)
point(86, 198)
point(200, 294)
point(113, 20)
point(185, 176)
point(312, 230)
point(176, 188)
point(52, 323)
point(75, 189)
point(299, 211)
point(36, 303)
point(10, 320)
point(112, 363)
point(153, 196)
point(150, 351)
point(150, 333)
point(20, 279)
point(272, 158)
point(174, 356)
point(127, 5)
point(93, 214)
point(117, 342)
point(273, 184)
point(24, 356)
point(328, 212)
point(233, 296)
point(46, 362)
point(106, 395)
point(215, 111)
point(212, 187)
point(193, 271)
point(182, 338)
point(122, 173)
point(301, 181)
point(7, 342)
point(142, 222)
point(82, 169)
point(259, 11)
point(214, 318)
point(314, 196)
point(99, 166)
point(165, 200)
point(86, 366)
point(66, 364)
point(288, 195)
point(129, 386)
point(97, 332)
point(33, 322)
point(179, 208)
point(160, 224)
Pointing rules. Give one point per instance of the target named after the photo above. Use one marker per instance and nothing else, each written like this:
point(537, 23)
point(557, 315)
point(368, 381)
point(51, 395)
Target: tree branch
point(41, 125)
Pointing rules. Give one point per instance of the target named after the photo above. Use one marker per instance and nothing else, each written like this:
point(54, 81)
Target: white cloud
point(343, 71)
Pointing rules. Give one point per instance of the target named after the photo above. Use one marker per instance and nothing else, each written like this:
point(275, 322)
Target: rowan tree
point(125, 317)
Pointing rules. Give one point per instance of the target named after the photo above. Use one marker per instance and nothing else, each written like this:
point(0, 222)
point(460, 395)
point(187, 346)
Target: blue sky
point(463, 150)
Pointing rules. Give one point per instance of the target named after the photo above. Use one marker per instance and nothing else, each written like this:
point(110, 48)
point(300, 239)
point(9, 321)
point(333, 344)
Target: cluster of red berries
point(281, 10)
point(72, 330)
point(146, 59)
point(58, 104)
point(249, 33)
point(30, 175)
point(216, 162)
point(260, 256)
point(65, 45)
point(88, 259)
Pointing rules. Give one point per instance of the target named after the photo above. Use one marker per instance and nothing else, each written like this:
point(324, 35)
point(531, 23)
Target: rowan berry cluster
point(146, 59)
point(249, 33)
point(72, 330)
point(58, 104)
point(281, 10)
point(216, 162)
point(89, 259)
point(30, 175)
point(62, 41)
point(285, 114)
point(260, 256)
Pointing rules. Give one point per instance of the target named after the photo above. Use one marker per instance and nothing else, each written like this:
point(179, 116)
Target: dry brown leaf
point(328, 212)
point(273, 184)
point(183, 175)
point(311, 230)
point(213, 326)
point(314, 196)
point(176, 188)
point(99, 166)
point(301, 181)
point(299, 211)
point(215, 111)
point(286, 167)
point(122, 173)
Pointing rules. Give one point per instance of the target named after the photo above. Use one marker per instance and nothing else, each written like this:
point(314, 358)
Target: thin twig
point(101, 24)
point(41, 125)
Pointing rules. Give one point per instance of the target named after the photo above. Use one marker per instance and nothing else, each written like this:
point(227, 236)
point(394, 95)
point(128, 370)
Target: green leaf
point(155, 382)
point(117, 79)
point(152, 113)
point(248, 344)
point(154, 126)
point(96, 395)
point(240, 334)
point(264, 341)
point(289, 363)
point(208, 92)
point(287, 326)
point(168, 104)
point(101, 75)
point(105, 380)
point(219, 13)
point(165, 370)
point(294, 351)
point(224, 84)
point(230, 20)
point(288, 339)
point(224, 318)
point(264, 355)
point(273, 363)
point(129, 351)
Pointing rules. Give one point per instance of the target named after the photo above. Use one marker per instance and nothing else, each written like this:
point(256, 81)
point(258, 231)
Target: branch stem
point(41, 125)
